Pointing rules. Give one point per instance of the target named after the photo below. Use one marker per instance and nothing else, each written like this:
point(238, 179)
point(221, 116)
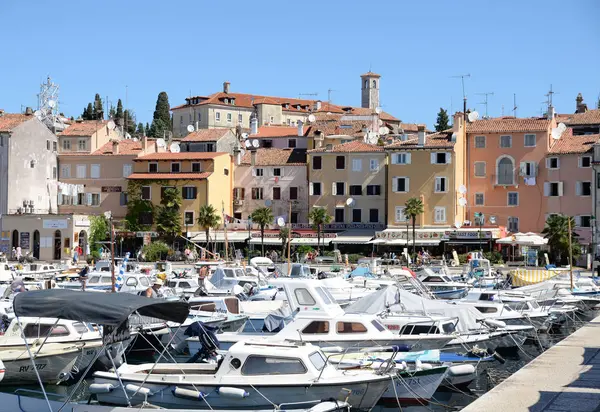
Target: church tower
point(370, 90)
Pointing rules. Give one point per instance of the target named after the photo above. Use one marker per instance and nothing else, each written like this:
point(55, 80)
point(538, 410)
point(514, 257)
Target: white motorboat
point(251, 375)
point(7, 275)
point(39, 270)
point(481, 274)
point(102, 282)
point(442, 286)
point(229, 306)
point(183, 286)
point(226, 281)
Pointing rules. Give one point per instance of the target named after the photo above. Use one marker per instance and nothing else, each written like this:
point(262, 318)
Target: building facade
point(87, 136)
point(209, 140)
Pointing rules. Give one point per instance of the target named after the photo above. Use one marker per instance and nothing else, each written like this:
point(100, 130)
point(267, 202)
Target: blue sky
point(284, 48)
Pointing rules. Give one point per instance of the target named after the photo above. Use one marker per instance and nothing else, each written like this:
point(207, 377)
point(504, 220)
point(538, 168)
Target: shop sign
point(24, 240)
point(295, 235)
point(340, 226)
point(146, 234)
point(398, 234)
point(464, 234)
point(54, 224)
point(111, 189)
point(82, 223)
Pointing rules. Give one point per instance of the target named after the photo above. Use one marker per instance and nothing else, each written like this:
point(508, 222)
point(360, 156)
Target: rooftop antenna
point(549, 97)
point(48, 105)
point(502, 110)
point(329, 95)
point(485, 101)
point(462, 80)
point(514, 105)
point(307, 94)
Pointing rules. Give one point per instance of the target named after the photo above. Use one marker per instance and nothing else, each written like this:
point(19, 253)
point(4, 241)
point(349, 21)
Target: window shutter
point(88, 199)
point(546, 188)
point(281, 172)
point(560, 188)
point(578, 188)
point(558, 162)
point(448, 158)
point(394, 184)
point(408, 158)
point(254, 172)
point(433, 158)
point(523, 168)
point(310, 188)
point(59, 199)
point(547, 163)
point(577, 221)
point(333, 191)
point(406, 184)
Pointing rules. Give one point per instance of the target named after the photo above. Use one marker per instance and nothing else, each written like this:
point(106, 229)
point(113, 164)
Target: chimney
point(155, 147)
point(144, 143)
point(115, 147)
point(300, 128)
point(253, 157)
point(79, 120)
point(318, 105)
point(226, 87)
point(253, 125)
point(421, 131)
point(551, 113)
point(328, 147)
point(28, 111)
point(581, 106)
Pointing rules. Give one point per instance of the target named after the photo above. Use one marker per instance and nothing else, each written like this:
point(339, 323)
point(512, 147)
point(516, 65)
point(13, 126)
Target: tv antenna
point(307, 94)
point(485, 101)
point(48, 105)
point(329, 95)
point(462, 80)
point(514, 105)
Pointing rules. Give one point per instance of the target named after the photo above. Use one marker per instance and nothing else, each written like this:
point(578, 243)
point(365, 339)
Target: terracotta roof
point(180, 156)
point(9, 121)
point(334, 126)
point(433, 141)
point(508, 125)
point(569, 144)
point(126, 147)
point(206, 135)
point(355, 146)
point(371, 74)
point(365, 111)
point(276, 131)
point(170, 176)
point(276, 157)
point(84, 128)
point(409, 127)
point(590, 117)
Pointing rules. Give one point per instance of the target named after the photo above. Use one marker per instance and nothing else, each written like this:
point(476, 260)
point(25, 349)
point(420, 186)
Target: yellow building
point(203, 178)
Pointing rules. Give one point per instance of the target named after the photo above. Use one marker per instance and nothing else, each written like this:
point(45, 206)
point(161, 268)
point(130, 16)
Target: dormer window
point(226, 101)
point(286, 105)
point(297, 107)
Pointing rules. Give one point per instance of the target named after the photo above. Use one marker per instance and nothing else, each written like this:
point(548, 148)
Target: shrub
point(155, 251)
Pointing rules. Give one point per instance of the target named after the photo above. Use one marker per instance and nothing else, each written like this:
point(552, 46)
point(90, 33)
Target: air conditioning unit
point(238, 202)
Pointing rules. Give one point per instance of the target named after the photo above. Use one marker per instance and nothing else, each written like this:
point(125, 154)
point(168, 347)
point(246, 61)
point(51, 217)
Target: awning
point(355, 237)
point(467, 241)
point(219, 237)
point(418, 242)
point(295, 241)
point(376, 241)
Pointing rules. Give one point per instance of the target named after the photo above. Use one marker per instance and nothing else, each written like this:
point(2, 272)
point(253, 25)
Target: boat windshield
point(270, 365)
point(318, 361)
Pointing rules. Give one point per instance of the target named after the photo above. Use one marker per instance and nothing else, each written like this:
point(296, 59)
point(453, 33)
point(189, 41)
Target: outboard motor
point(207, 338)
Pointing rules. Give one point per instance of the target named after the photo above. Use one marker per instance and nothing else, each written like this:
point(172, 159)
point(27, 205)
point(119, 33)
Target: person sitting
point(152, 291)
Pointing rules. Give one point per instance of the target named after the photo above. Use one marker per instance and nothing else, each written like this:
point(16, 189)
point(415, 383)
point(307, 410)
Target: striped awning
point(524, 277)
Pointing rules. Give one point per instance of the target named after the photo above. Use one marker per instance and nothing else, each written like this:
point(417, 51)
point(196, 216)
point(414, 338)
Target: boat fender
point(101, 388)
point(404, 365)
point(495, 323)
point(426, 366)
point(498, 357)
point(461, 370)
point(418, 365)
point(333, 349)
point(232, 392)
point(139, 389)
point(188, 393)
point(401, 348)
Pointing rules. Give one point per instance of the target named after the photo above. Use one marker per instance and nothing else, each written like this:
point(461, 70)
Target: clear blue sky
point(284, 48)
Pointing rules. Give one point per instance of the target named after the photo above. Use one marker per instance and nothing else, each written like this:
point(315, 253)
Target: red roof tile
point(126, 147)
point(370, 74)
point(180, 156)
point(206, 135)
point(276, 131)
point(508, 125)
point(84, 128)
point(276, 157)
point(590, 117)
point(169, 176)
point(355, 146)
point(569, 144)
point(433, 141)
point(9, 121)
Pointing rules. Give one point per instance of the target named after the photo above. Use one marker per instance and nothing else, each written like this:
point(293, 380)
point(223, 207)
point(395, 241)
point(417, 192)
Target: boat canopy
point(94, 307)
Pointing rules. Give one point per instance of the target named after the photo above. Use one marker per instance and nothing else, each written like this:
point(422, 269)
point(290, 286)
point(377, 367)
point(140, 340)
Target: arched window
point(505, 171)
point(366, 84)
point(374, 84)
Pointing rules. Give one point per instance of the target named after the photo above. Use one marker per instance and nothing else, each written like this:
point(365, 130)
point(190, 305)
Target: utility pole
point(289, 243)
point(329, 95)
point(514, 105)
point(462, 80)
point(108, 215)
point(570, 253)
point(485, 101)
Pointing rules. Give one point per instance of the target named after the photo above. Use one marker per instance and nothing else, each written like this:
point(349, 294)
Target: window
point(189, 192)
point(66, 144)
point(528, 169)
point(196, 167)
point(291, 143)
point(401, 158)
point(54, 172)
point(258, 172)
point(553, 189)
point(317, 327)
point(267, 143)
point(81, 199)
point(95, 171)
point(439, 215)
point(54, 146)
point(584, 188)
point(217, 116)
point(65, 171)
point(32, 164)
point(529, 140)
point(257, 193)
point(479, 199)
point(240, 118)
point(400, 184)
point(175, 167)
point(41, 331)
point(81, 171)
point(277, 172)
point(276, 193)
point(188, 218)
point(81, 145)
point(146, 193)
point(513, 224)
point(373, 215)
point(317, 360)
point(127, 169)
point(355, 190)
point(316, 162)
point(479, 169)
point(356, 215)
point(315, 189)
point(505, 172)
point(293, 193)
point(440, 158)
point(266, 365)
point(229, 118)
point(340, 162)
point(47, 144)
point(95, 199)
point(505, 141)
point(553, 163)
point(350, 327)
point(585, 161)
point(152, 167)
point(163, 189)
point(294, 217)
point(480, 142)
point(513, 198)
point(271, 119)
point(583, 221)
point(356, 165)
point(399, 215)
point(339, 188)
point(374, 165)
point(339, 215)
point(374, 190)
point(239, 193)
point(304, 297)
point(123, 199)
point(441, 185)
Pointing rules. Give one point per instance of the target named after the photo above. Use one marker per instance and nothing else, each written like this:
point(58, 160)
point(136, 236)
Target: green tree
point(284, 233)
point(88, 114)
point(147, 129)
point(119, 111)
point(155, 251)
point(443, 122)
point(598, 104)
point(319, 217)
point(140, 130)
point(169, 219)
point(208, 218)
point(85, 114)
point(98, 113)
point(99, 231)
point(556, 231)
point(262, 216)
point(161, 120)
point(413, 208)
point(112, 112)
point(129, 122)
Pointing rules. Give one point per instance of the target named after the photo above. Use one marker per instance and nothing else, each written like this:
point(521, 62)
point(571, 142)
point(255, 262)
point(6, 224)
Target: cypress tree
point(84, 116)
point(442, 121)
point(119, 113)
point(98, 108)
point(140, 129)
point(112, 112)
point(162, 117)
point(147, 129)
point(90, 112)
point(129, 122)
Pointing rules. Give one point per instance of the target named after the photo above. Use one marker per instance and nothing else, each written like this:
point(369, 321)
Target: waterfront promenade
point(564, 378)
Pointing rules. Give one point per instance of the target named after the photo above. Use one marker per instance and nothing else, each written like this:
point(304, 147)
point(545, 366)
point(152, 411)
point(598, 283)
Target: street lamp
point(108, 215)
point(249, 235)
point(479, 216)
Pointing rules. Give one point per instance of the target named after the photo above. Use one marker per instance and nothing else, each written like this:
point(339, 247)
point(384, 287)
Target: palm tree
point(413, 208)
point(262, 216)
point(319, 217)
point(208, 218)
point(284, 233)
point(557, 233)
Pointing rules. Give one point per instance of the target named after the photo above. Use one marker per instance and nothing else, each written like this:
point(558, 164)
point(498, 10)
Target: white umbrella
point(523, 239)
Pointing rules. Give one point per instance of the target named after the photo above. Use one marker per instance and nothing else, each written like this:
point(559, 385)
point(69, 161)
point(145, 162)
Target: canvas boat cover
point(524, 277)
point(101, 308)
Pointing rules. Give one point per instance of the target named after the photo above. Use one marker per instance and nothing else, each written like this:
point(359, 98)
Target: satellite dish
point(135, 139)
point(190, 128)
point(556, 132)
point(111, 125)
point(268, 202)
point(473, 116)
point(248, 144)
point(311, 118)
point(492, 220)
point(457, 224)
point(51, 103)
point(386, 130)
point(378, 110)
point(454, 137)
point(255, 144)
point(462, 189)
point(161, 143)
point(280, 222)
point(245, 135)
point(350, 202)
point(382, 130)
point(174, 148)
point(562, 126)
point(37, 113)
point(462, 201)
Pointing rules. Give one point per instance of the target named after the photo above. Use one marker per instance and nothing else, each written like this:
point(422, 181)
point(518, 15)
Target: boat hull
point(413, 387)
point(51, 367)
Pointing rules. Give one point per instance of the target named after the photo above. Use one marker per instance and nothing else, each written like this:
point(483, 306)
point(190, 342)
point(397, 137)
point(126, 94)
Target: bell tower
point(370, 90)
